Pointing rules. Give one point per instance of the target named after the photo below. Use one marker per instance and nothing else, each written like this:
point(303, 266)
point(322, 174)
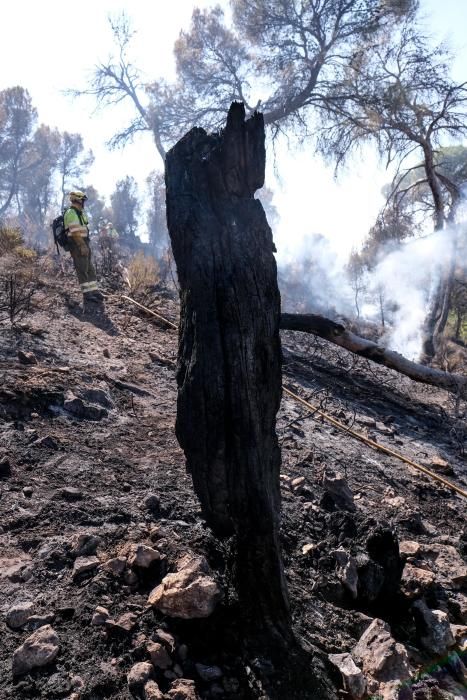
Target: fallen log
point(337, 333)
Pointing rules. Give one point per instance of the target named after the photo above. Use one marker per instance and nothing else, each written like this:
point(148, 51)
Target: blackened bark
point(229, 360)
point(437, 316)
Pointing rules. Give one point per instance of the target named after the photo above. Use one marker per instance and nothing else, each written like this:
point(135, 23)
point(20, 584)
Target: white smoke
point(403, 283)
point(409, 276)
point(312, 278)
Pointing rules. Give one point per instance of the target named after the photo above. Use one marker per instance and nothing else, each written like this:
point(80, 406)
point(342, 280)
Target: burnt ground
point(118, 474)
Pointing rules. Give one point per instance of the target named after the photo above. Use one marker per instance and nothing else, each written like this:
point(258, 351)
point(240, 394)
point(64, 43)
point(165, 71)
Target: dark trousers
point(81, 253)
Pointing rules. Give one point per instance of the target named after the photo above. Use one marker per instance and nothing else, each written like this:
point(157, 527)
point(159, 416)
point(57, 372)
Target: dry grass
point(19, 275)
point(143, 275)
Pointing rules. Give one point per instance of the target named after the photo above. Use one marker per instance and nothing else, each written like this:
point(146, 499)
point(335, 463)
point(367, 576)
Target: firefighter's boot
point(93, 302)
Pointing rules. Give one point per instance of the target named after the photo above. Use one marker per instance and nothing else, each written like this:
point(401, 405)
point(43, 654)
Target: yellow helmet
point(79, 196)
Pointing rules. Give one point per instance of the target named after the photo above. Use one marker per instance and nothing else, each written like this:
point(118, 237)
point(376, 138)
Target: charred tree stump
point(229, 359)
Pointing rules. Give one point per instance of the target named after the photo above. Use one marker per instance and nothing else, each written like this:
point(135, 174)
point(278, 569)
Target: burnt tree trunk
point(437, 316)
point(229, 359)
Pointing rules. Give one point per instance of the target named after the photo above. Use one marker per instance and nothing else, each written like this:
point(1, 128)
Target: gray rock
point(380, 656)
point(16, 569)
point(460, 605)
point(80, 409)
point(433, 628)
point(165, 638)
point(46, 442)
point(208, 673)
point(152, 691)
point(28, 491)
point(142, 556)
point(441, 465)
point(100, 616)
point(409, 548)
point(70, 494)
point(298, 484)
point(415, 581)
point(383, 429)
point(367, 421)
point(138, 676)
point(152, 503)
point(84, 564)
point(182, 689)
point(337, 488)
point(97, 396)
point(36, 621)
point(5, 467)
point(27, 358)
point(446, 563)
point(85, 545)
point(17, 616)
point(159, 656)
point(353, 678)
point(38, 650)
point(53, 550)
point(188, 593)
point(124, 625)
point(115, 566)
point(347, 571)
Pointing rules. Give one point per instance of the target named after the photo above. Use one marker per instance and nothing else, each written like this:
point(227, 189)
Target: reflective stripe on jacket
point(89, 286)
point(76, 223)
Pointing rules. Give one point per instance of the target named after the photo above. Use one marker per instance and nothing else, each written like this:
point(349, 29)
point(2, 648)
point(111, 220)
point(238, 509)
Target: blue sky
point(308, 197)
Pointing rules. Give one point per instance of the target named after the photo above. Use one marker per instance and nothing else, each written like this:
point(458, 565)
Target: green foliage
point(392, 226)
point(96, 209)
point(32, 158)
point(457, 327)
point(72, 163)
point(411, 190)
point(17, 121)
point(125, 208)
point(157, 219)
point(280, 56)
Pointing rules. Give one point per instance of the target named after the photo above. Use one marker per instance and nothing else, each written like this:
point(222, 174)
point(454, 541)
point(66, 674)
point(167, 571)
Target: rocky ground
point(111, 585)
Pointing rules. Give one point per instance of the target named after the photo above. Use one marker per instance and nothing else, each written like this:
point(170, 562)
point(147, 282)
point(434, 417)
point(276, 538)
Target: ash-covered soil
point(90, 469)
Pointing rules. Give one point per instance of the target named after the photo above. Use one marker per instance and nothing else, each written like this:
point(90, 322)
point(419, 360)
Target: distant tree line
point(339, 73)
point(334, 73)
point(40, 165)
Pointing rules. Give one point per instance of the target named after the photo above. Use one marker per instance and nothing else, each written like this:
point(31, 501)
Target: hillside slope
point(91, 473)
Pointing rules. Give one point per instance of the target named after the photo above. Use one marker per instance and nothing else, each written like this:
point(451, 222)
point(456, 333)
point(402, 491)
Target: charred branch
point(339, 335)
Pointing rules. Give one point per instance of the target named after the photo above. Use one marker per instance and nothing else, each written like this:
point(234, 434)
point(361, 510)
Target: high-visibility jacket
point(76, 223)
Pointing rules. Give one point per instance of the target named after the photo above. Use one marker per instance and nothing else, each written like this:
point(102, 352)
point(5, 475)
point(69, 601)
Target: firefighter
point(76, 226)
point(108, 237)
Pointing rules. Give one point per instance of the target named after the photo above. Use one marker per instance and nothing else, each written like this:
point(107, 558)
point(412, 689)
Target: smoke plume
point(398, 290)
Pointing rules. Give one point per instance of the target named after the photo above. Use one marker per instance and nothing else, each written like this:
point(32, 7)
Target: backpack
point(59, 233)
